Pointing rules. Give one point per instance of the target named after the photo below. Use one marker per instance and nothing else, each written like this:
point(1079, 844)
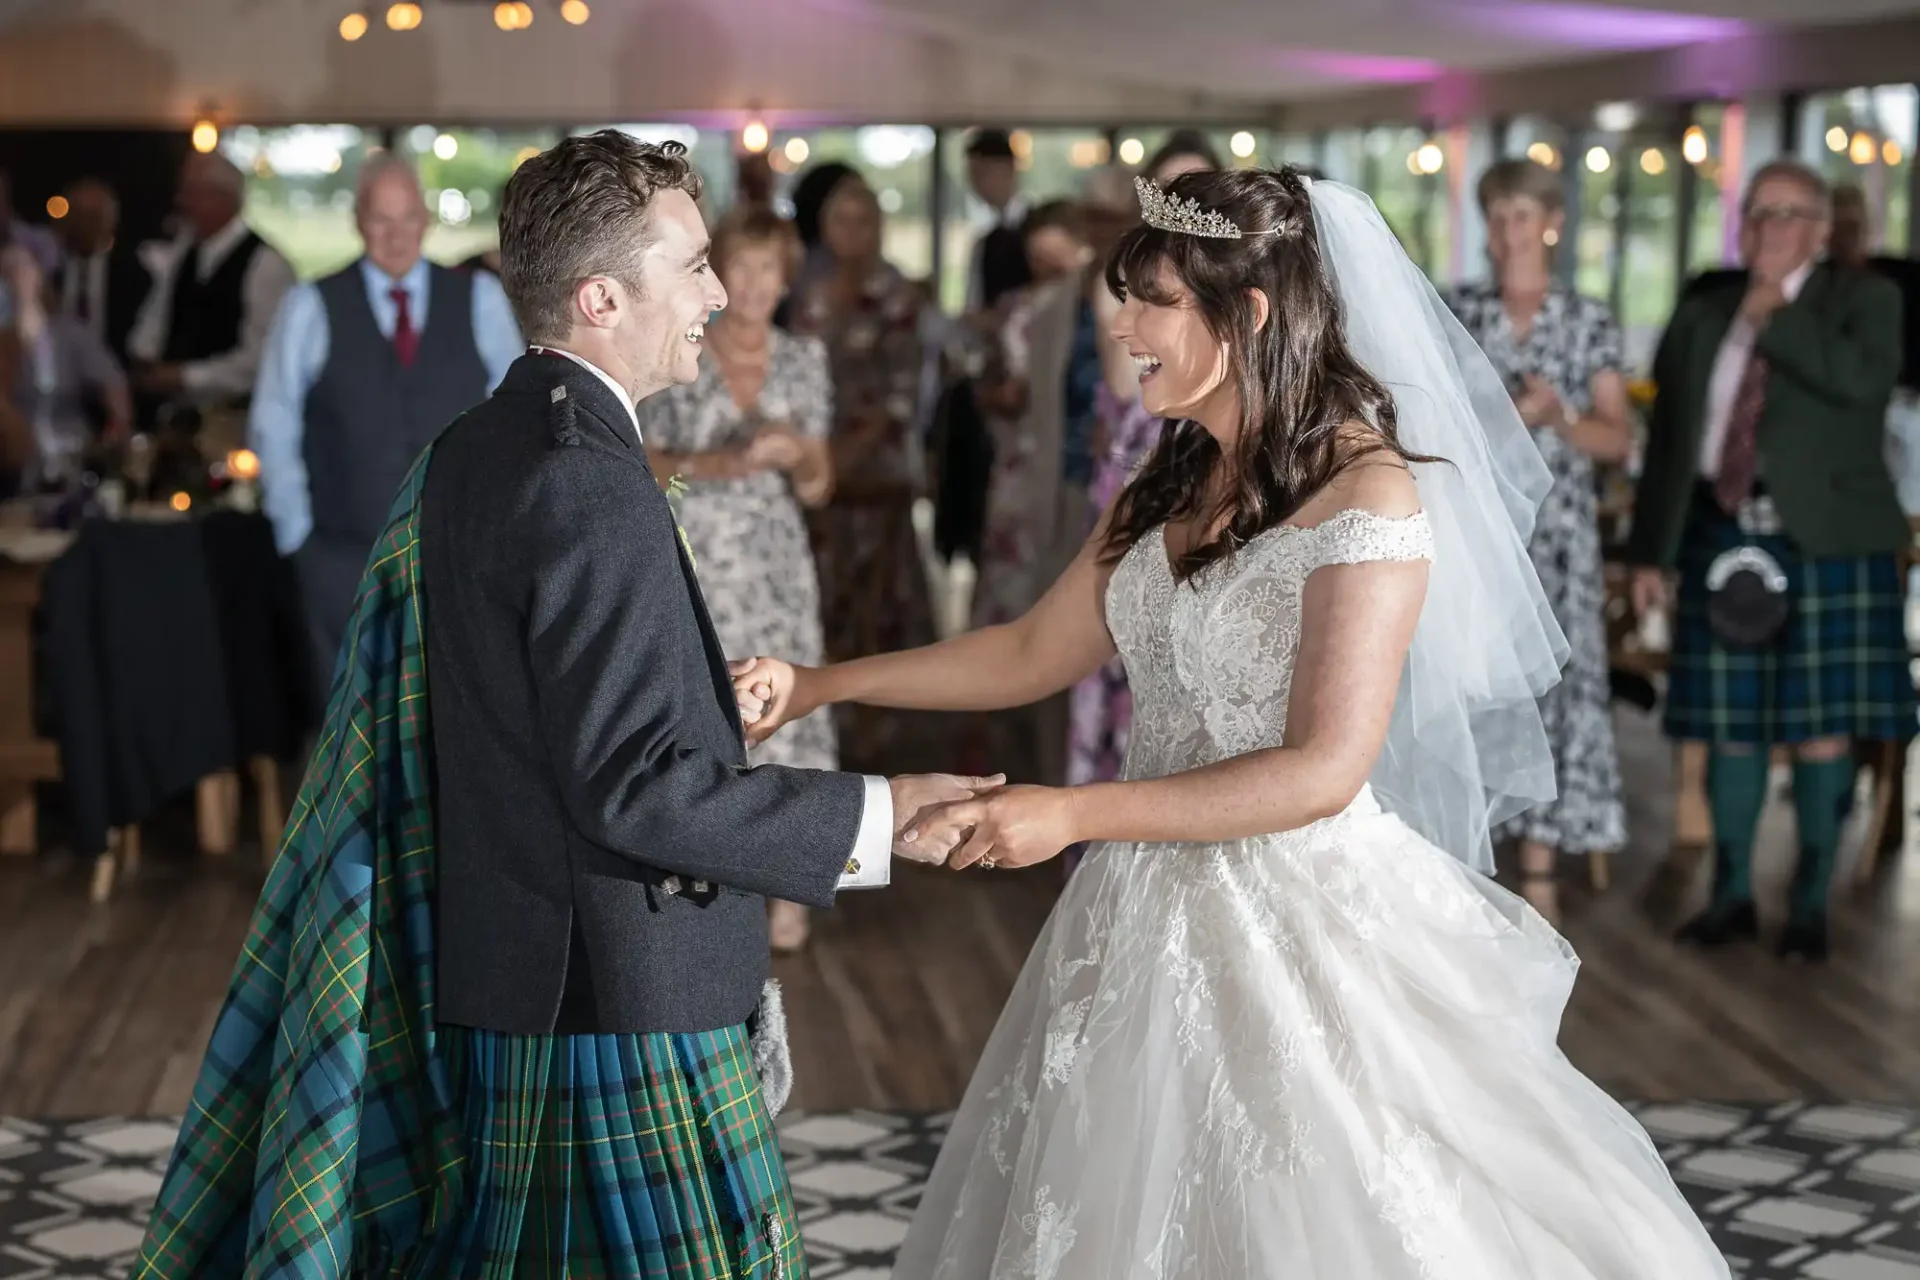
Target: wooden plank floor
point(106, 1011)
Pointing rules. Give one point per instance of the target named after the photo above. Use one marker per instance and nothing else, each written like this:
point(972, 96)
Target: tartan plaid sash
point(322, 1139)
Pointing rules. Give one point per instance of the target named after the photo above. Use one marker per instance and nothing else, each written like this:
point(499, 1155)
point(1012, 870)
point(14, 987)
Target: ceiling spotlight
point(754, 137)
point(575, 11)
point(1693, 144)
point(1242, 144)
point(404, 16)
point(1132, 151)
point(353, 26)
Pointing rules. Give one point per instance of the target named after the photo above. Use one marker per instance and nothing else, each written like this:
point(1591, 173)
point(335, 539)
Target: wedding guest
point(1184, 151)
point(361, 371)
point(1766, 441)
point(200, 334)
point(872, 581)
point(101, 282)
point(61, 380)
point(1562, 358)
point(998, 265)
point(749, 439)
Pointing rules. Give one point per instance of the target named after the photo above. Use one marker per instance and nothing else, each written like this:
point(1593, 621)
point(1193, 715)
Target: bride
point(1280, 1025)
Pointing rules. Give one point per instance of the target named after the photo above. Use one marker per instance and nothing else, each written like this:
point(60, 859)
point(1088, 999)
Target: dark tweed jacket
point(604, 850)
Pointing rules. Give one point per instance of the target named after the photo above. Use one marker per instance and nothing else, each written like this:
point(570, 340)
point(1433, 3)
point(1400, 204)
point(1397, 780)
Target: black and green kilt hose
point(1839, 668)
point(619, 1157)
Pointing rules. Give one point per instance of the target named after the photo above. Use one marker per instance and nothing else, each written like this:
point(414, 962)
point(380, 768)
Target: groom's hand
point(915, 796)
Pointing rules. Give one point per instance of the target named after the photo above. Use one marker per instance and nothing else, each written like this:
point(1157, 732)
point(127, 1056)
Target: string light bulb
point(1429, 159)
point(1542, 153)
point(403, 16)
point(1861, 149)
point(353, 26)
point(1242, 144)
point(57, 208)
point(243, 464)
point(1598, 160)
point(1132, 151)
point(797, 150)
point(1890, 153)
point(1693, 144)
point(206, 136)
point(754, 137)
point(576, 12)
point(1653, 162)
point(1837, 139)
point(180, 501)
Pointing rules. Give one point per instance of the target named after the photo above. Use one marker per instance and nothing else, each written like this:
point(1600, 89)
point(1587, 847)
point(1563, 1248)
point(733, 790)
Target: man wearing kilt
point(1766, 492)
point(503, 1010)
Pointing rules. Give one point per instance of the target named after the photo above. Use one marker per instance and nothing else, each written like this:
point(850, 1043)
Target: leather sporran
point(1747, 600)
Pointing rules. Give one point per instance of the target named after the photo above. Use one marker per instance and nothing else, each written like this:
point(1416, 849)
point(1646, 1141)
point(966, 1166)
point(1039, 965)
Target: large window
point(464, 171)
point(300, 189)
point(1865, 137)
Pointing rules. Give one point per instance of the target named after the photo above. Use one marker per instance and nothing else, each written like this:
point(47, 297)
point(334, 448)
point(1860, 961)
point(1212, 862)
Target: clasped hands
point(937, 817)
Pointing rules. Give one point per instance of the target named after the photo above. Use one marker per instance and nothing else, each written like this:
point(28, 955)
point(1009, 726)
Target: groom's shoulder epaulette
point(562, 416)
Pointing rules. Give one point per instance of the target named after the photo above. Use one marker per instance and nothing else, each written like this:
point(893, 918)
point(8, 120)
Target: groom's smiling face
point(662, 337)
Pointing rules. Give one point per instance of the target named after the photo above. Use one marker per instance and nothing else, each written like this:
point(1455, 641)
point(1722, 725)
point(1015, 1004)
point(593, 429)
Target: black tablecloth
point(169, 651)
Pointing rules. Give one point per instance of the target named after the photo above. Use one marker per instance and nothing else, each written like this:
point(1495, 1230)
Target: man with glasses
point(1766, 493)
point(361, 371)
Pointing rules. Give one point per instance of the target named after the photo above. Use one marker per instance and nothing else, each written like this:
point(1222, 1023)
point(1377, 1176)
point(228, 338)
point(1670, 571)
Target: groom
point(494, 1013)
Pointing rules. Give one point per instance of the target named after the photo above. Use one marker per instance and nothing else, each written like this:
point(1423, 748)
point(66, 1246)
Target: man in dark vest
point(215, 290)
point(360, 373)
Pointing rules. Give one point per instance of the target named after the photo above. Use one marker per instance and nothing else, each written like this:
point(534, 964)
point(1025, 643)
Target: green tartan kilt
point(619, 1157)
point(1839, 668)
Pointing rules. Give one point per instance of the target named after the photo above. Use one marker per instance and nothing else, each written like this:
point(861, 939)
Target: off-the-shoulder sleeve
point(1358, 537)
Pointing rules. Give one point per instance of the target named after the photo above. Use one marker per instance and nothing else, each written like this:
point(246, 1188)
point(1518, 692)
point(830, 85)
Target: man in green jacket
point(1766, 492)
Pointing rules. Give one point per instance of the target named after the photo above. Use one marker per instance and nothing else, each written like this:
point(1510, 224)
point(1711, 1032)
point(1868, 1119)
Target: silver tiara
point(1184, 216)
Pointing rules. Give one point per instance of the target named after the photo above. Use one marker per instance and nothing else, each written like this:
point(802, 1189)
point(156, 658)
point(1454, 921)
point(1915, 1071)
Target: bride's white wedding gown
point(1323, 1055)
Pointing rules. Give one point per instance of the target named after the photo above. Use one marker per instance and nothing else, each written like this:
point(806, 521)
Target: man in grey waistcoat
point(361, 371)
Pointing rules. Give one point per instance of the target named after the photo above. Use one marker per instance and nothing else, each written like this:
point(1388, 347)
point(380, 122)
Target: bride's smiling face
point(1182, 367)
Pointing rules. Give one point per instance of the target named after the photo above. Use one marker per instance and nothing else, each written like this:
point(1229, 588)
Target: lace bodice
point(1211, 660)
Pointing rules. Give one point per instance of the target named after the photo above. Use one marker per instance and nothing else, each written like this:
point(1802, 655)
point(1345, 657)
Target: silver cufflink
point(558, 394)
point(671, 886)
point(701, 886)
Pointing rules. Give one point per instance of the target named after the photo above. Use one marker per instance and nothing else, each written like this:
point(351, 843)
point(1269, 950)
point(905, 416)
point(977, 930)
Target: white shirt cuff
point(870, 865)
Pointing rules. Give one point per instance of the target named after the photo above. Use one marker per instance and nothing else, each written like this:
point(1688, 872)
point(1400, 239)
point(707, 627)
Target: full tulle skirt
point(1328, 1055)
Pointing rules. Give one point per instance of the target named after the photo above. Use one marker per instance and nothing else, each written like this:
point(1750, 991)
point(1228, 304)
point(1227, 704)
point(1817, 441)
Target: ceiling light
point(1429, 159)
point(1242, 144)
point(1542, 153)
point(1598, 161)
point(404, 16)
point(797, 150)
point(754, 137)
point(1693, 144)
point(1861, 150)
point(353, 26)
point(1653, 162)
point(1836, 139)
point(1132, 151)
point(576, 12)
point(206, 136)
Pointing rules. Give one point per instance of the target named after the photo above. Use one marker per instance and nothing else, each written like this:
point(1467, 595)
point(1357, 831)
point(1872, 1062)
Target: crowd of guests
point(836, 396)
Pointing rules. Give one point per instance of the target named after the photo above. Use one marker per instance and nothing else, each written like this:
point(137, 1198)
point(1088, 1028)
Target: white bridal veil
point(1466, 749)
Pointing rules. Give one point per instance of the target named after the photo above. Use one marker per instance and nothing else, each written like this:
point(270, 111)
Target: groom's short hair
point(575, 211)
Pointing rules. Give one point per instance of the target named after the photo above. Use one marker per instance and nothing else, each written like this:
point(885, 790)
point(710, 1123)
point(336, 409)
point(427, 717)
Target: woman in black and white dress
point(1561, 355)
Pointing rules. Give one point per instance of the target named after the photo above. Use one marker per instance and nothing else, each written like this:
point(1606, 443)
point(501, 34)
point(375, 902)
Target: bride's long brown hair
point(1299, 386)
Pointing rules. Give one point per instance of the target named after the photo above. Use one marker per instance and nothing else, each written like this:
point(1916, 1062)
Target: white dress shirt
point(229, 374)
point(1011, 217)
point(1729, 367)
point(870, 864)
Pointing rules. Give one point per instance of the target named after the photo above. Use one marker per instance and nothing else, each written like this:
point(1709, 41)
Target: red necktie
point(406, 342)
point(1740, 451)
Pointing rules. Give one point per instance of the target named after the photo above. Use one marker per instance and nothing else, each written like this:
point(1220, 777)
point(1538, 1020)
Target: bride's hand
point(770, 693)
point(1009, 827)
